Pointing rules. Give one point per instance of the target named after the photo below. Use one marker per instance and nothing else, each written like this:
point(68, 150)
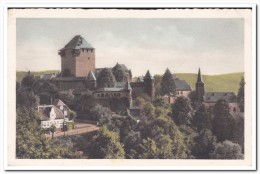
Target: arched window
point(235, 109)
point(106, 95)
point(102, 95)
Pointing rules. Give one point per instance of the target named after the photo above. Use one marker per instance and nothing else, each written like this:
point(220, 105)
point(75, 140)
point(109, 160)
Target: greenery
point(241, 95)
point(106, 145)
point(167, 83)
point(227, 150)
point(21, 74)
point(106, 78)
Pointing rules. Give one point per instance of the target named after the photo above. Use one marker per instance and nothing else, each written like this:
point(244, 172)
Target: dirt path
point(80, 128)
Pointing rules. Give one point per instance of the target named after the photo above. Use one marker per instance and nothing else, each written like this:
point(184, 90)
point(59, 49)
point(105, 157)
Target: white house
point(50, 114)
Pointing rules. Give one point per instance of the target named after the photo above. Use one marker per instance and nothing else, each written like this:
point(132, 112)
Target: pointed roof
point(91, 76)
point(58, 102)
point(199, 79)
point(77, 42)
point(148, 75)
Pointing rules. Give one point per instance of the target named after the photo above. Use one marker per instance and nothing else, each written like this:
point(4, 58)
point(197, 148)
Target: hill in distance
point(213, 83)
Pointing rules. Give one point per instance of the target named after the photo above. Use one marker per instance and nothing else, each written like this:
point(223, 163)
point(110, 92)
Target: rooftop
point(77, 42)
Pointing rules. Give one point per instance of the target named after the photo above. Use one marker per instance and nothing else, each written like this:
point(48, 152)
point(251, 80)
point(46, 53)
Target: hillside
point(221, 83)
point(20, 74)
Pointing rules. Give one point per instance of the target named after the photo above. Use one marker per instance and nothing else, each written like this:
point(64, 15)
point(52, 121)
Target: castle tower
point(149, 84)
point(77, 58)
point(199, 88)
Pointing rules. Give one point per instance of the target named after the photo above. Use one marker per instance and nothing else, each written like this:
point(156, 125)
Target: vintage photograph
point(132, 84)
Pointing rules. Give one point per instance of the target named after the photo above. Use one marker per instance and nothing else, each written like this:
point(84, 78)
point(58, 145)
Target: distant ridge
point(221, 83)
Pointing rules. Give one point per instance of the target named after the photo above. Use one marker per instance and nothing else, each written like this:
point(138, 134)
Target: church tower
point(77, 58)
point(199, 88)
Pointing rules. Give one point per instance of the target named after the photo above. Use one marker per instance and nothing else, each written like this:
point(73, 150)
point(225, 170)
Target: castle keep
point(77, 57)
point(79, 72)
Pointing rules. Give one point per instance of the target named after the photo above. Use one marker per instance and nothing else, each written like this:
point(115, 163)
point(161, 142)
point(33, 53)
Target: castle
point(78, 72)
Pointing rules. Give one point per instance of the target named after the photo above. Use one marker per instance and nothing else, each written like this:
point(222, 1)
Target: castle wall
point(67, 85)
point(85, 62)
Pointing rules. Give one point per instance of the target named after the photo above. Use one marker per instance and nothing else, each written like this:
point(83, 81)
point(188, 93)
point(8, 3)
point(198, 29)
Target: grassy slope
point(20, 74)
point(220, 83)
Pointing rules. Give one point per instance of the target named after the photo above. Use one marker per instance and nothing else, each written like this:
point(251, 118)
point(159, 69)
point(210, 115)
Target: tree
point(167, 83)
point(106, 78)
point(202, 119)
point(26, 98)
point(241, 95)
point(193, 99)
point(157, 85)
point(31, 143)
point(223, 122)
point(52, 129)
point(67, 97)
point(182, 111)
point(204, 144)
point(27, 81)
point(148, 149)
point(120, 73)
point(85, 102)
point(106, 145)
point(73, 115)
point(227, 150)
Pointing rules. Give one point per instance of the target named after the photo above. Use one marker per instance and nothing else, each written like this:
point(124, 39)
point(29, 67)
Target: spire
point(148, 75)
point(91, 76)
point(199, 79)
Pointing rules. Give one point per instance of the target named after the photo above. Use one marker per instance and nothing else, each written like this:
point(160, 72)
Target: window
point(235, 109)
point(181, 92)
point(98, 95)
point(88, 58)
point(65, 113)
point(61, 107)
point(91, 51)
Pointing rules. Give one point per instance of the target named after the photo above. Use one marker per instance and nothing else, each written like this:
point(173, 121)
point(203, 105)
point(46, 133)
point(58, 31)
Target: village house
point(55, 114)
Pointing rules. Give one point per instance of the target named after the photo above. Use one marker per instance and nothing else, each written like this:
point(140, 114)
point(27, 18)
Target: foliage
point(223, 122)
point(106, 145)
point(204, 144)
point(106, 78)
point(27, 81)
point(193, 99)
point(182, 111)
point(67, 97)
point(167, 83)
point(157, 85)
point(120, 73)
point(69, 125)
point(241, 95)
point(227, 150)
point(99, 112)
point(239, 130)
point(85, 102)
point(148, 149)
point(52, 129)
point(26, 98)
point(31, 143)
point(202, 119)
point(73, 115)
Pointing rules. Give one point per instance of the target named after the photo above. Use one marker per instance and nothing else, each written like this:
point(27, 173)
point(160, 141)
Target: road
point(80, 128)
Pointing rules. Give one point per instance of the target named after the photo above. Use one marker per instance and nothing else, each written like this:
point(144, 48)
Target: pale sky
point(183, 45)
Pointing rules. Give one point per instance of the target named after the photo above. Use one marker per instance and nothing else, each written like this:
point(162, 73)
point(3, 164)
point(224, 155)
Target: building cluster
point(79, 72)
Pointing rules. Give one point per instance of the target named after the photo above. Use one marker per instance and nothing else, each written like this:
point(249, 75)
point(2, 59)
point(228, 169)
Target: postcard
point(131, 88)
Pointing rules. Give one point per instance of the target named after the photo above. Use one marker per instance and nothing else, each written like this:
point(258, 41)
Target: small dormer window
point(61, 107)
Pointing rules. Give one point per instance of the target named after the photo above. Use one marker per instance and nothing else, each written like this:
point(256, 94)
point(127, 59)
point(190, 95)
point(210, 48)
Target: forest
point(181, 130)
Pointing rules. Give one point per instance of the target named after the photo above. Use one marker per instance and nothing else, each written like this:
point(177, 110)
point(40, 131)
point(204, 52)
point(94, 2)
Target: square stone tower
point(77, 58)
